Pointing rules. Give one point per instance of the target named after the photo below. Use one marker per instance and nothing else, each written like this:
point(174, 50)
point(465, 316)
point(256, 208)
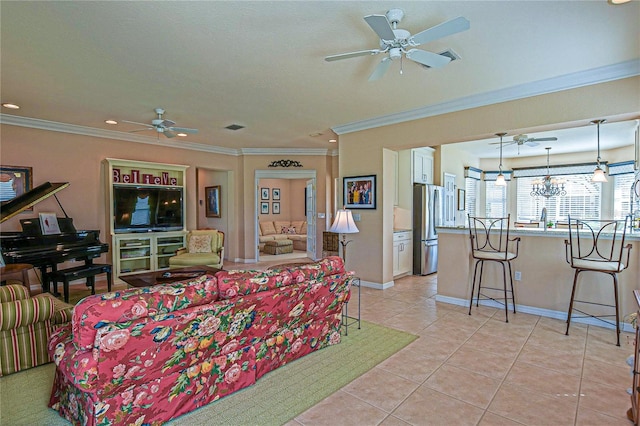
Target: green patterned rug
point(275, 399)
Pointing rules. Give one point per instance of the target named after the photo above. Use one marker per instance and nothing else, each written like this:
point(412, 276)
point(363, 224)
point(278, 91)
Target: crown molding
point(284, 151)
point(54, 126)
point(554, 84)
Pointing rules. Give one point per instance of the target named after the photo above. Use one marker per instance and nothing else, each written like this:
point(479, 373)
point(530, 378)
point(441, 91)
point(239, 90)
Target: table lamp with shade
point(344, 224)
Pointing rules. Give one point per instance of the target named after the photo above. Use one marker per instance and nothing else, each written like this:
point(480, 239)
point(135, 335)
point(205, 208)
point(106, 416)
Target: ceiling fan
point(398, 42)
point(162, 125)
point(525, 139)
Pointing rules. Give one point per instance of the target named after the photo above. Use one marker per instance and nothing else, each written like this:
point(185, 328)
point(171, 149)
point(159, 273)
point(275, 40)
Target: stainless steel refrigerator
point(428, 209)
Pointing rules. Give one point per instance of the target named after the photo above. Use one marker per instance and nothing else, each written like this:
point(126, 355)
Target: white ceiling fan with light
point(521, 140)
point(162, 125)
point(398, 42)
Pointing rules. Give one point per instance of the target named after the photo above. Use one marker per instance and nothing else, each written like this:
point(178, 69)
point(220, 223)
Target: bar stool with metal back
point(490, 242)
point(597, 246)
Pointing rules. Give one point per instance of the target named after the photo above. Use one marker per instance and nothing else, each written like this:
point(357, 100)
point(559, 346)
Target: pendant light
point(500, 181)
point(598, 173)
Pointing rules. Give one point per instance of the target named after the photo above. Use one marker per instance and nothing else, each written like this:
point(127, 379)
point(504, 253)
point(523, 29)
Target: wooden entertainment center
point(146, 214)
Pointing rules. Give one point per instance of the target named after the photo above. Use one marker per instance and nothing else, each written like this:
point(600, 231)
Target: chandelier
point(548, 186)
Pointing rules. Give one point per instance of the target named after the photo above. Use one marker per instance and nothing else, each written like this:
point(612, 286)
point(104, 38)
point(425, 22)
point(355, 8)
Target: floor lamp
point(344, 224)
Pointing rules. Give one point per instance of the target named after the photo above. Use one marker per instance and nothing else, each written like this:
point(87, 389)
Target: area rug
point(275, 399)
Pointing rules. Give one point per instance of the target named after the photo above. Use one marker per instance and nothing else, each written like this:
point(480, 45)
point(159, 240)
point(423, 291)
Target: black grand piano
point(46, 251)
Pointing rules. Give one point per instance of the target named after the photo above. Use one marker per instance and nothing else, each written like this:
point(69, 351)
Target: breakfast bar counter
point(546, 278)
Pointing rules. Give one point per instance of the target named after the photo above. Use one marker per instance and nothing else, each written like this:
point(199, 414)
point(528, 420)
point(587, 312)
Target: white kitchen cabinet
point(422, 163)
point(402, 253)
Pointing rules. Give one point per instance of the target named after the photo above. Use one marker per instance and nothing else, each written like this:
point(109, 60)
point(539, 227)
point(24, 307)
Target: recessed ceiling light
point(182, 134)
point(333, 140)
point(10, 105)
point(619, 1)
point(111, 121)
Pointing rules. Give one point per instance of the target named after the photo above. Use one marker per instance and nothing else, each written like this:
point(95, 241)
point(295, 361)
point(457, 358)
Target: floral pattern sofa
point(147, 355)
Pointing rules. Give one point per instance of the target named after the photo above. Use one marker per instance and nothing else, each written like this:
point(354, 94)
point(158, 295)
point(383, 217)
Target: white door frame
point(277, 174)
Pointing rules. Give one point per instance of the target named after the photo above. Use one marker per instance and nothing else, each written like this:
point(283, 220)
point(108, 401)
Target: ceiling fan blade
point(503, 143)
point(181, 130)
point(429, 59)
point(140, 130)
point(380, 70)
point(167, 123)
point(351, 55)
point(543, 139)
point(380, 24)
point(139, 124)
point(444, 29)
point(169, 134)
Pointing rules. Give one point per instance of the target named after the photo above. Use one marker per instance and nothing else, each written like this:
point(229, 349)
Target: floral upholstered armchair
point(204, 247)
point(25, 326)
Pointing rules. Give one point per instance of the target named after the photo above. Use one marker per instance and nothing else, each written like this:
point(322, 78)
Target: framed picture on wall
point(461, 199)
point(14, 181)
point(264, 208)
point(264, 193)
point(275, 194)
point(213, 201)
point(276, 208)
point(359, 192)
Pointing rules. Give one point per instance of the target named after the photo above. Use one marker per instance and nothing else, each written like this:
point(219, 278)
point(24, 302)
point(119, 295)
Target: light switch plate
point(321, 215)
point(356, 217)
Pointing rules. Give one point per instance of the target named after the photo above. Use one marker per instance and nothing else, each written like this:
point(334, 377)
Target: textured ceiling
point(261, 64)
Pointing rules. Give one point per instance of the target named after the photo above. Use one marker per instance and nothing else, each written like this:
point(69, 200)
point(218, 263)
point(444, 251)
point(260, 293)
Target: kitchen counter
point(546, 277)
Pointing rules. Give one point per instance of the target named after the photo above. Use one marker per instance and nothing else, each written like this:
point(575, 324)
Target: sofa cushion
point(267, 228)
point(94, 312)
point(242, 282)
point(303, 228)
point(196, 259)
point(200, 244)
point(280, 236)
point(297, 224)
point(314, 271)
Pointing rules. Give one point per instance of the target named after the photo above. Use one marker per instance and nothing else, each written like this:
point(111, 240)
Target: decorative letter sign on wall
point(135, 176)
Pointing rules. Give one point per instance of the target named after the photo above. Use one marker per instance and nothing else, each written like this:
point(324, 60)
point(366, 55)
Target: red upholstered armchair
point(25, 326)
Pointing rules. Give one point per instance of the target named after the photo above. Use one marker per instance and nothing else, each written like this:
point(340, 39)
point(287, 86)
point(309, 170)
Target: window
point(582, 200)
point(622, 195)
point(470, 196)
point(496, 199)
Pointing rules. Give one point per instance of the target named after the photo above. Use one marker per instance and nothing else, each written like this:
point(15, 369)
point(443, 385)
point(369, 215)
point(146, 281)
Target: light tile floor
point(476, 369)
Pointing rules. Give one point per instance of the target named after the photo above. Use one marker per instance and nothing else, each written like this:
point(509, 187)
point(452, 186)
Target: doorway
point(276, 203)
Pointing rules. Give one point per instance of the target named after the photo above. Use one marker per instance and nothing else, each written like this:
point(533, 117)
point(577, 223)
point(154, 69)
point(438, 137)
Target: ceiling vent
point(234, 127)
point(449, 53)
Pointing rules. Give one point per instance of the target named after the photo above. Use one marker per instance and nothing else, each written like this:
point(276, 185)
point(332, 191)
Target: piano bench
point(85, 271)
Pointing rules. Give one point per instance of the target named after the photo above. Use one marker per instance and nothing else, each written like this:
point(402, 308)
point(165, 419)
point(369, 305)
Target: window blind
point(471, 195)
point(496, 199)
point(582, 200)
point(622, 195)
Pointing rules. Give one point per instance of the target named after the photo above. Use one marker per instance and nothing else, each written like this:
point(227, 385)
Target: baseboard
point(377, 286)
point(548, 313)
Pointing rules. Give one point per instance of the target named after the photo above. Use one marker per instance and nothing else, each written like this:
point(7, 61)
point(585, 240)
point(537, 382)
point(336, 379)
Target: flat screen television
point(147, 209)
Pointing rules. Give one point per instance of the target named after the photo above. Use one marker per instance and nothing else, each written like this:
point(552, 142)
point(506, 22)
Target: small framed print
point(264, 208)
point(276, 208)
point(213, 201)
point(264, 193)
point(275, 194)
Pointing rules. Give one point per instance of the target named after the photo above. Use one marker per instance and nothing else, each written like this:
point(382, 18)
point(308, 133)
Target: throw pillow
point(200, 244)
point(303, 228)
point(291, 230)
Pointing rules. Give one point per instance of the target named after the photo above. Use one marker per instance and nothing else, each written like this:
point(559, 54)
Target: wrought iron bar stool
point(490, 242)
point(597, 246)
